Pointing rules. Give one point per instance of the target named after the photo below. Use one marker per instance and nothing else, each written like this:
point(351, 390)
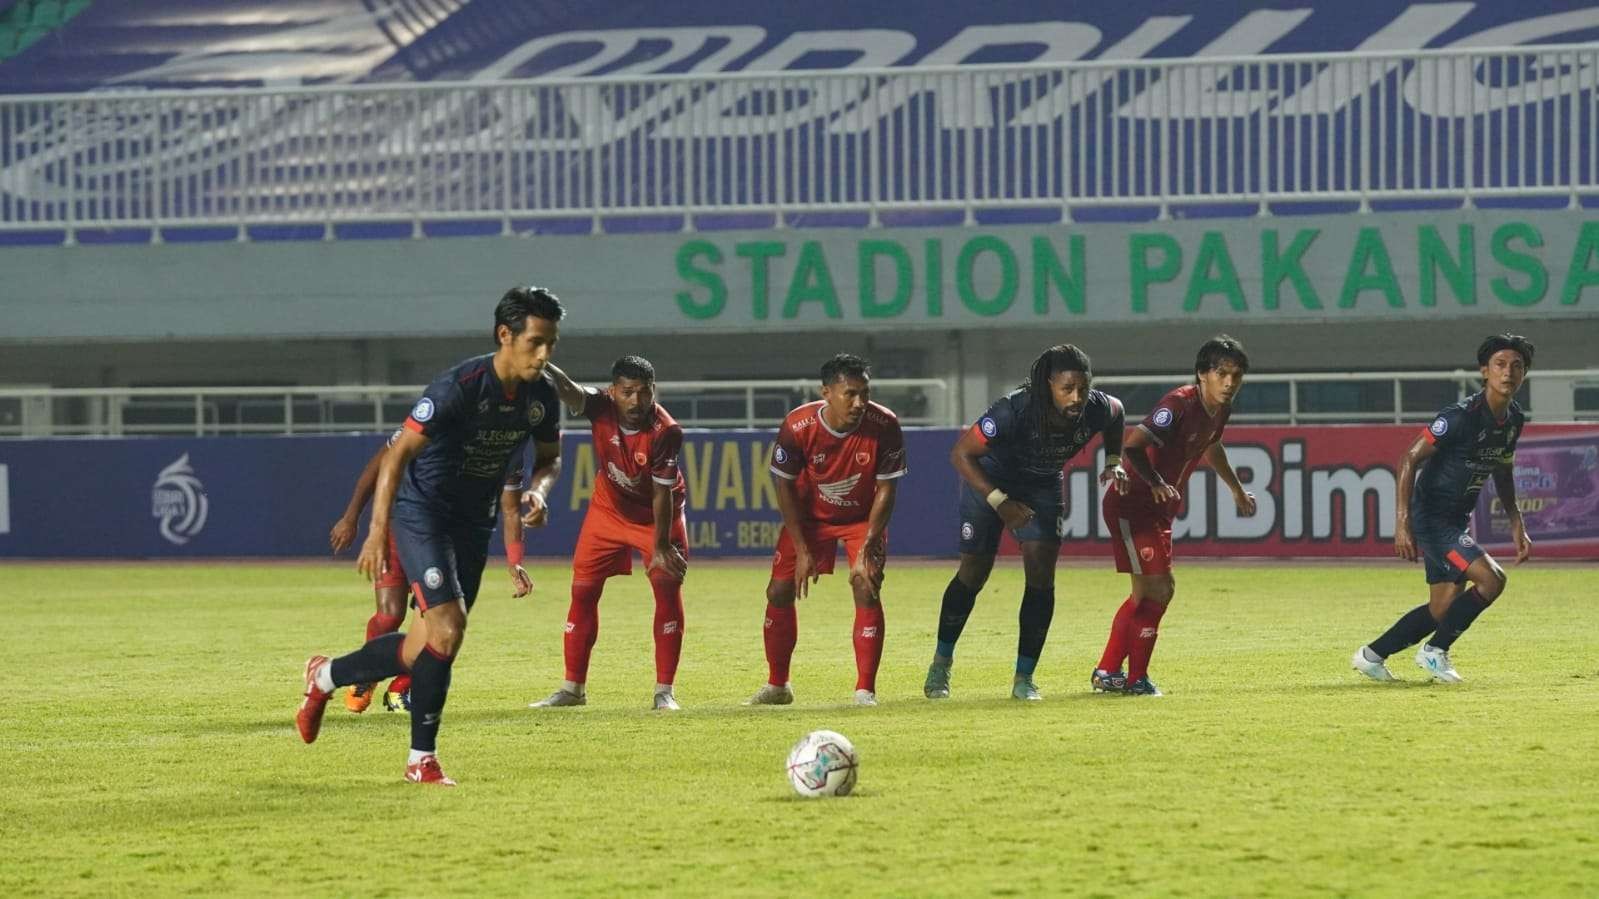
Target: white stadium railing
point(1290, 399)
point(1461, 124)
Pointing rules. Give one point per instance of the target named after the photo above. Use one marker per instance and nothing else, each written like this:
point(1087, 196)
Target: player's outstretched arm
point(788, 504)
point(1420, 451)
point(546, 471)
point(666, 556)
point(374, 557)
point(968, 449)
point(1505, 483)
point(873, 556)
point(1135, 454)
point(571, 393)
point(1216, 455)
point(343, 533)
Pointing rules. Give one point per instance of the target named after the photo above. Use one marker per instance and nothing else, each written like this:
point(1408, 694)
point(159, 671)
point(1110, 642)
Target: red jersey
point(1181, 431)
point(836, 474)
point(630, 463)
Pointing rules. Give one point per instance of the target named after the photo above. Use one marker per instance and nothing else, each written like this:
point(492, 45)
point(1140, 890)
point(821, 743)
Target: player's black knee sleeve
point(377, 660)
point(956, 608)
point(1462, 612)
point(1407, 631)
point(1038, 609)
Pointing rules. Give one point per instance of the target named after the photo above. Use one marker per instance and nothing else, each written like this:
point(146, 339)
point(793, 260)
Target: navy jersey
point(1019, 457)
point(477, 437)
point(1470, 444)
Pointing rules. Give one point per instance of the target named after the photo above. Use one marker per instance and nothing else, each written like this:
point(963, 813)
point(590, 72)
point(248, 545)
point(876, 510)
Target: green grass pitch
point(150, 750)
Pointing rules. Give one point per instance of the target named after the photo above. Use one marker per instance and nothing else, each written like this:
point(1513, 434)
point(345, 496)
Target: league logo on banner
point(178, 500)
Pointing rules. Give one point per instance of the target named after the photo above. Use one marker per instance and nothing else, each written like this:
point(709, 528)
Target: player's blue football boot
point(1142, 687)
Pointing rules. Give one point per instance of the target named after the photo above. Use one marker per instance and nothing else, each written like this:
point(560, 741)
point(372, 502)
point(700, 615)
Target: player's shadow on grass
point(1345, 687)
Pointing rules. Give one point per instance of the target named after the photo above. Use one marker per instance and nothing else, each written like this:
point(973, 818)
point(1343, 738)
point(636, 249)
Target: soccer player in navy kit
point(1012, 462)
point(438, 489)
point(1466, 444)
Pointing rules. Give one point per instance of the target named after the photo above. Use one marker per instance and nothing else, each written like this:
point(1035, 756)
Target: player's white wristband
point(1112, 461)
point(997, 496)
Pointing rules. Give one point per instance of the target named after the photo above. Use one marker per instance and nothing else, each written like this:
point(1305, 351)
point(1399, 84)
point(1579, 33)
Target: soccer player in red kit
point(637, 505)
point(1162, 451)
point(836, 463)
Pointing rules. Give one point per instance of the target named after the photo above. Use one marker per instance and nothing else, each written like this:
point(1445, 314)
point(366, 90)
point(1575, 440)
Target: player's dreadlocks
point(1053, 361)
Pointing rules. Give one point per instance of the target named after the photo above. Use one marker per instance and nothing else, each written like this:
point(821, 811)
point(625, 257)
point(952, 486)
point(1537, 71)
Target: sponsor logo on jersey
point(819, 459)
point(535, 414)
point(504, 407)
point(482, 406)
point(836, 493)
point(987, 426)
point(423, 410)
point(779, 455)
point(178, 500)
point(620, 477)
point(1440, 426)
point(433, 578)
point(1162, 417)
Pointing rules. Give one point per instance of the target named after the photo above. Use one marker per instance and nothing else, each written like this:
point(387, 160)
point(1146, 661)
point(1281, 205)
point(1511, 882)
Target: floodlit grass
point(150, 747)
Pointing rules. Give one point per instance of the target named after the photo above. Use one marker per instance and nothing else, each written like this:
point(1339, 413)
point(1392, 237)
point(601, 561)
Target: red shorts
point(1140, 536)
point(607, 541)
point(394, 575)
point(823, 541)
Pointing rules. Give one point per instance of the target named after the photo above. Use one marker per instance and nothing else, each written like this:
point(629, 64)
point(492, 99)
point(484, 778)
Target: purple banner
point(1557, 488)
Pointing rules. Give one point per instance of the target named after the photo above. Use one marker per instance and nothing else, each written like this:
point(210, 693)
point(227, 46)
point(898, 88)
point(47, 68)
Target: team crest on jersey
point(1440, 427)
point(779, 455)
point(640, 458)
point(423, 410)
point(535, 414)
point(987, 426)
point(862, 457)
point(1162, 417)
point(1082, 435)
point(1147, 553)
point(433, 578)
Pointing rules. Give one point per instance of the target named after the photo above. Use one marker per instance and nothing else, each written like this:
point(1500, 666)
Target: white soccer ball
point(822, 763)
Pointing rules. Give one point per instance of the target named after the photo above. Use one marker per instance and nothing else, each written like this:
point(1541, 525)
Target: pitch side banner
point(1322, 492)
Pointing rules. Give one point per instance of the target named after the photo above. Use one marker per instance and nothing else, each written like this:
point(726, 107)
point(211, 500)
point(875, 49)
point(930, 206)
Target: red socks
point(781, 633)
point(380, 624)
point(1144, 628)
point(868, 637)
point(1118, 644)
point(582, 627)
point(668, 627)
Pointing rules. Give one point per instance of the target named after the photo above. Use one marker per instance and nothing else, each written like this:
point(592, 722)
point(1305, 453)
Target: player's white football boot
point(772, 694)
point(666, 702)
point(1436, 662)
point(865, 698)
point(1370, 664)
point(1024, 688)
point(560, 699)
point(937, 684)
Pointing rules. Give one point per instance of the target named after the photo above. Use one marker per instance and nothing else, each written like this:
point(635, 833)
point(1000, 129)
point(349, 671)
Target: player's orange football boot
point(309, 718)
point(358, 697)
point(427, 771)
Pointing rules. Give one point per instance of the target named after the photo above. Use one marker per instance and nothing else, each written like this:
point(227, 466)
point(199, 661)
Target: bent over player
point(437, 491)
point(1162, 450)
point(1466, 444)
point(637, 505)
point(1012, 463)
point(836, 462)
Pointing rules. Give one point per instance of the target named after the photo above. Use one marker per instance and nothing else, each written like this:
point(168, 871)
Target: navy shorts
point(1447, 551)
point(981, 525)
point(444, 559)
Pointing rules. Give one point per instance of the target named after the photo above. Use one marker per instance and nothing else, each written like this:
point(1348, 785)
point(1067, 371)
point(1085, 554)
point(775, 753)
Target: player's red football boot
point(427, 771)
point(309, 718)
